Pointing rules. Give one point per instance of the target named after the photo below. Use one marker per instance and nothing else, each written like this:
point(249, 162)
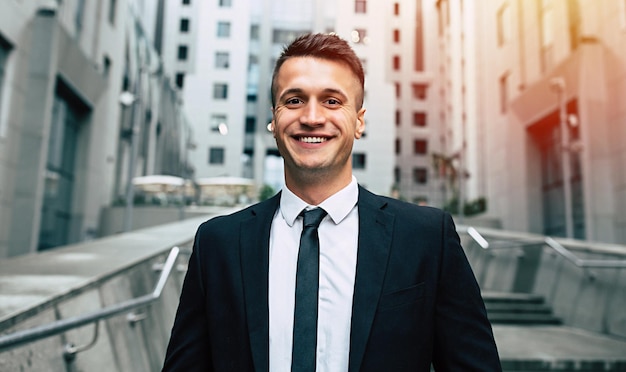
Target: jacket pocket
point(401, 297)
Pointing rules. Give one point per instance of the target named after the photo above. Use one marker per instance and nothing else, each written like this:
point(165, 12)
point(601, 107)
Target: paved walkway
point(558, 348)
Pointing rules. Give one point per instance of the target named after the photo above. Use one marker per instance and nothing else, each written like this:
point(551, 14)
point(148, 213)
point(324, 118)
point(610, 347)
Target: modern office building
point(205, 46)
point(552, 129)
point(58, 120)
point(65, 139)
point(411, 60)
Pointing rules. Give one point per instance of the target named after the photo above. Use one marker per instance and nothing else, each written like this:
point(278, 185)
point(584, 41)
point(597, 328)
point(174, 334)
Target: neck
point(316, 188)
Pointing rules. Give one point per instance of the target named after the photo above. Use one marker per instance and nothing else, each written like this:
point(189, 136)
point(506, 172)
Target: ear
point(272, 126)
point(360, 124)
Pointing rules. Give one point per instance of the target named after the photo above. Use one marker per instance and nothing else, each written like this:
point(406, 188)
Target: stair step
point(522, 318)
point(498, 297)
point(518, 308)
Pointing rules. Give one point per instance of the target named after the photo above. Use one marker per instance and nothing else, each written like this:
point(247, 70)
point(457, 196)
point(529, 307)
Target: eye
point(333, 102)
point(293, 101)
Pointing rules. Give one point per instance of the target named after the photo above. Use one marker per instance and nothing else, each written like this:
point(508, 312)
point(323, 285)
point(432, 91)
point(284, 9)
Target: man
point(395, 290)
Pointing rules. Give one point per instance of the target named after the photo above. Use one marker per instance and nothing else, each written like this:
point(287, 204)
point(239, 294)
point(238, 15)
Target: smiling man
point(326, 276)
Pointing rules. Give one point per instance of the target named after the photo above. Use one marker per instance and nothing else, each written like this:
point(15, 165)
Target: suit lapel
point(375, 230)
point(255, 235)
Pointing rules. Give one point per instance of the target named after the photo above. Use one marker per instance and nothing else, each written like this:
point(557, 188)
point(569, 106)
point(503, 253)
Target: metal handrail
point(580, 262)
point(33, 334)
point(557, 247)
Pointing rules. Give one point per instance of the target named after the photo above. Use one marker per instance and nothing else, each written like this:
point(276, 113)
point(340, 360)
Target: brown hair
point(324, 46)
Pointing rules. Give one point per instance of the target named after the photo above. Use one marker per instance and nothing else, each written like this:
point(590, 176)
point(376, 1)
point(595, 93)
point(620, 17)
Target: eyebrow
point(298, 91)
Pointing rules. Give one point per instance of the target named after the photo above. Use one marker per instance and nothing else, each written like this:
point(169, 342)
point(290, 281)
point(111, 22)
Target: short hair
point(325, 46)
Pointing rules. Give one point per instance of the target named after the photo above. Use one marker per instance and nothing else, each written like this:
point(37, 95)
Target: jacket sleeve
point(189, 347)
point(463, 338)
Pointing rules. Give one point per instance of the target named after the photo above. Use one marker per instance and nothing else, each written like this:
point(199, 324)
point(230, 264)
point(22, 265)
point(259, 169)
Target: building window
point(396, 63)
point(251, 97)
point(180, 80)
point(225, 3)
point(397, 175)
point(396, 9)
point(504, 25)
point(358, 160)
point(285, 36)
point(220, 91)
point(359, 36)
point(396, 36)
point(186, 2)
point(360, 6)
point(5, 49)
point(420, 147)
point(184, 25)
point(223, 29)
point(398, 115)
point(254, 32)
point(219, 124)
point(419, 119)
point(420, 175)
point(112, 11)
point(183, 50)
point(216, 155)
point(419, 91)
point(221, 60)
point(398, 146)
point(504, 92)
point(398, 89)
point(250, 124)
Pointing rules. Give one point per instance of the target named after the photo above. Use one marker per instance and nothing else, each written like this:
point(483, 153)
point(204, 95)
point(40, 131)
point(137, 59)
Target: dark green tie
point(307, 284)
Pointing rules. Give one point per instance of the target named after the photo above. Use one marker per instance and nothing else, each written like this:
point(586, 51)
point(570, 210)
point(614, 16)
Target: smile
point(313, 139)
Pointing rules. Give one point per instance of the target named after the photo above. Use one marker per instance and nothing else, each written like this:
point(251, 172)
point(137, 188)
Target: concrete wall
point(71, 281)
point(587, 298)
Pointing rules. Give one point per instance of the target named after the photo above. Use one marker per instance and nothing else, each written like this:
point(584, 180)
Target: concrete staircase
point(518, 308)
point(531, 338)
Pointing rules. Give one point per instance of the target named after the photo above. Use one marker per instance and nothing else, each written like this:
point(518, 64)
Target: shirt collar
point(338, 205)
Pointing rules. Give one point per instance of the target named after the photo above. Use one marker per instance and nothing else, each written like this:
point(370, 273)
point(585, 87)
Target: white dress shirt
point(338, 236)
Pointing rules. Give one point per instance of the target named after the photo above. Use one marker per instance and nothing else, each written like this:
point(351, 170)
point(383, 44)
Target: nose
point(313, 114)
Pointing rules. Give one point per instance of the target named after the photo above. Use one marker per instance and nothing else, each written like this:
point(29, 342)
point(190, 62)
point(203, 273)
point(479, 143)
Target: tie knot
point(313, 217)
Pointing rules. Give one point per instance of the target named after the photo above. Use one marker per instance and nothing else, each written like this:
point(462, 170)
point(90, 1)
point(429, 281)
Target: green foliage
point(471, 207)
point(266, 192)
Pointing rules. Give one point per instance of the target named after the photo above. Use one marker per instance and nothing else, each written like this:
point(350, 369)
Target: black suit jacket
point(416, 300)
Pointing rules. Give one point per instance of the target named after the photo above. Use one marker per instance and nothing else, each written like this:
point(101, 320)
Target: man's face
point(315, 119)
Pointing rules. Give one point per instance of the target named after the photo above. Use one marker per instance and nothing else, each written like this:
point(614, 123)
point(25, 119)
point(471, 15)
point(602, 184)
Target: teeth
point(313, 139)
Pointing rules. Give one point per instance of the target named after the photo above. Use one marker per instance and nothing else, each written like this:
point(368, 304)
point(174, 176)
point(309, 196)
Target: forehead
point(312, 72)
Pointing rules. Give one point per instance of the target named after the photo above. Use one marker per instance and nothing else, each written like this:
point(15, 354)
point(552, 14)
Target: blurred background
point(124, 124)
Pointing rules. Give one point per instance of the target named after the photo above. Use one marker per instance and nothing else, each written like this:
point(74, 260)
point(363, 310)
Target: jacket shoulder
point(266, 207)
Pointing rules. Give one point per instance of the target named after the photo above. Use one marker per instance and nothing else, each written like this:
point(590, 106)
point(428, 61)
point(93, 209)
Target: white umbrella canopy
point(158, 183)
point(225, 190)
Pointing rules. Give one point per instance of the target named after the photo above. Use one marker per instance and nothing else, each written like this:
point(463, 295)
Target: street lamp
point(127, 99)
point(558, 86)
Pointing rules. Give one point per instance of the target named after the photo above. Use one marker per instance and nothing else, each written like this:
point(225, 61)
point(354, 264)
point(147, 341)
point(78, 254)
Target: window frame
point(359, 160)
point(224, 29)
point(217, 155)
point(420, 147)
point(220, 91)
